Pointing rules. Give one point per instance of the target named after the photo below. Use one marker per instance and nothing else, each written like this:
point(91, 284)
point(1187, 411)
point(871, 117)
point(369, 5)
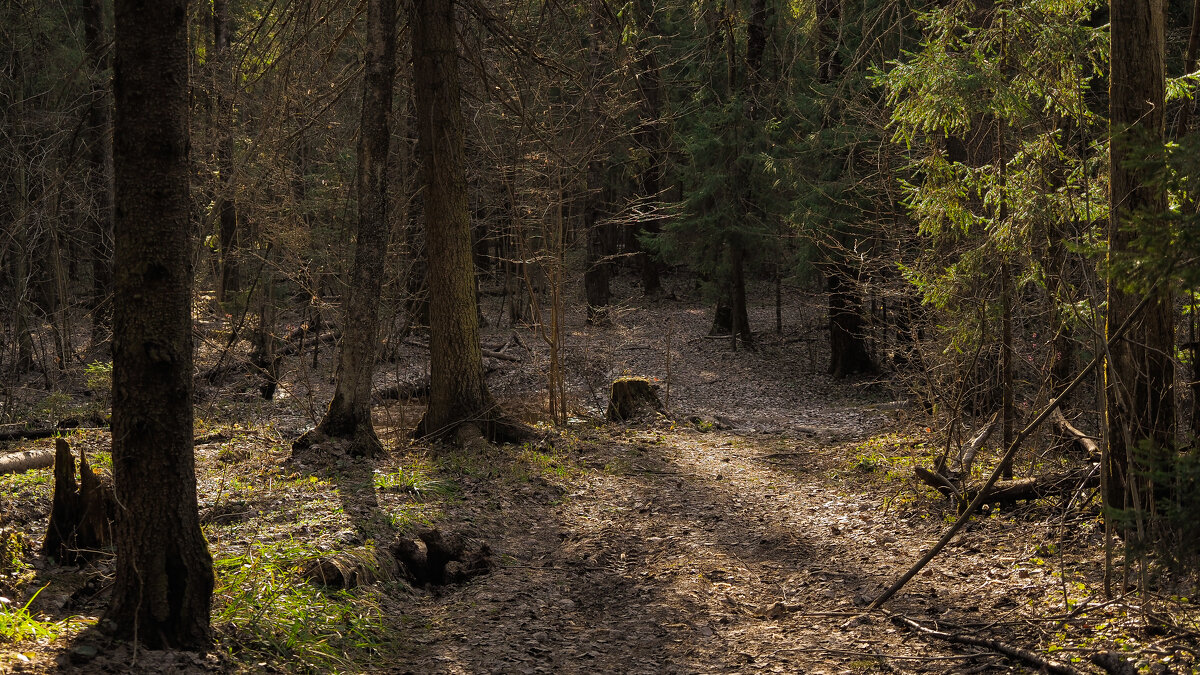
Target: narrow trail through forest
point(672, 546)
point(744, 531)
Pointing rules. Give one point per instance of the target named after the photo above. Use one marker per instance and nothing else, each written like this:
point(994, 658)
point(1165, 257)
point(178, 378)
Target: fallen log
point(968, 458)
point(17, 462)
point(1009, 492)
point(417, 390)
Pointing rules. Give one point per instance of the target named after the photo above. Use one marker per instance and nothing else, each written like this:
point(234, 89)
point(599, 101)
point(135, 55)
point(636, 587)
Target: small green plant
point(415, 478)
point(99, 378)
point(54, 407)
point(18, 625)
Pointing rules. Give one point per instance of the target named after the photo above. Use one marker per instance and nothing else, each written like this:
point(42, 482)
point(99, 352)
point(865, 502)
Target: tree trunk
point(651, 138)
point(1139, 374)
point(99, 157)
point(596, 273)
point(847, 349)
point(227, 231)
point(349, 413)
point(162, 592)
point(458, 392)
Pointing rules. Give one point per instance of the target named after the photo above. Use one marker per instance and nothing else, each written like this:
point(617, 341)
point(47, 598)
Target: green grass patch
point(265, 613)
point(17, 624)
point(416, 478)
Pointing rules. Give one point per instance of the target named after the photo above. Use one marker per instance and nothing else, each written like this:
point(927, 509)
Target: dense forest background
point(990, 208)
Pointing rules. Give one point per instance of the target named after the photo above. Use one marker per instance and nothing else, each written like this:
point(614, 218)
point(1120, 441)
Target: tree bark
point(162, 592)
point(1139, 373)
point(349, 413)
point(227, 230)
point(847, 350)
point(457, 391)
point(99, 157)
point(651, 137)
point(596, 273)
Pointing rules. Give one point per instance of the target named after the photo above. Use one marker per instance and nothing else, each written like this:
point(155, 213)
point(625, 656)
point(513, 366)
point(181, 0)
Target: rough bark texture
point(457, 391)
point(349, 413)
point(1139, 375)
point(651, 137)
point(162, 592)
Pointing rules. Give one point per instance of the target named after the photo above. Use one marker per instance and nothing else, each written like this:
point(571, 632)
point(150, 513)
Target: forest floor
point(744, 531)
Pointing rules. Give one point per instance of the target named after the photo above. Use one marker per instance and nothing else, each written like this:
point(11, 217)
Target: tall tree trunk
point(99, 158)
point(848, 353)
point(457, 391)
point(596, 272)
point(1139, 374)
point(162, 593)
point(847, 349)
point(223, 83)
point(349, 413)
point(651, 137)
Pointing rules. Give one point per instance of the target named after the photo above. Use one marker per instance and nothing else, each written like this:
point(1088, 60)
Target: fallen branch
point(17, 462)
point(1081, 442)
point(1024, 655)
point(502, 356)
point(1008, 492)
point(968, 457)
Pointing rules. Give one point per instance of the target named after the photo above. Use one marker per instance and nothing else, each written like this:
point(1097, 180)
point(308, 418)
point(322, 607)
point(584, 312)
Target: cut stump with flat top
point(630, 397)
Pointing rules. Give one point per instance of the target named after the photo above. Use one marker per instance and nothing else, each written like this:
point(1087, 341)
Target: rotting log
point(435, 559)
point(27, 460)
point(82, 513)
point(630, 397)
point(353, 568)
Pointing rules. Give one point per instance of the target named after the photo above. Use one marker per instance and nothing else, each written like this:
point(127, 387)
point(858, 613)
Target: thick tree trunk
point(349, 413)
point(162, 592)
point(458, 392)
point(1139, 374)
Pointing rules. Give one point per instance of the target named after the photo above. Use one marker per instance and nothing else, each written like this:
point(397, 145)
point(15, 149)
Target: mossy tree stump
point(630, 397)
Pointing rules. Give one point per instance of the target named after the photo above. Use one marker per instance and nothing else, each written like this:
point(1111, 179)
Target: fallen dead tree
point(1009, 492)
point(1077, 441)
point(17, 462)
point(430, 559)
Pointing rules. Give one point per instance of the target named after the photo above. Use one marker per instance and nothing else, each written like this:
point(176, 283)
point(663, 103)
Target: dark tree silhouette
point(162, 593)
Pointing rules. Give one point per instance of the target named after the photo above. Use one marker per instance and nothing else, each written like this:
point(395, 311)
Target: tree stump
point(82, 513)
point(630, 397)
